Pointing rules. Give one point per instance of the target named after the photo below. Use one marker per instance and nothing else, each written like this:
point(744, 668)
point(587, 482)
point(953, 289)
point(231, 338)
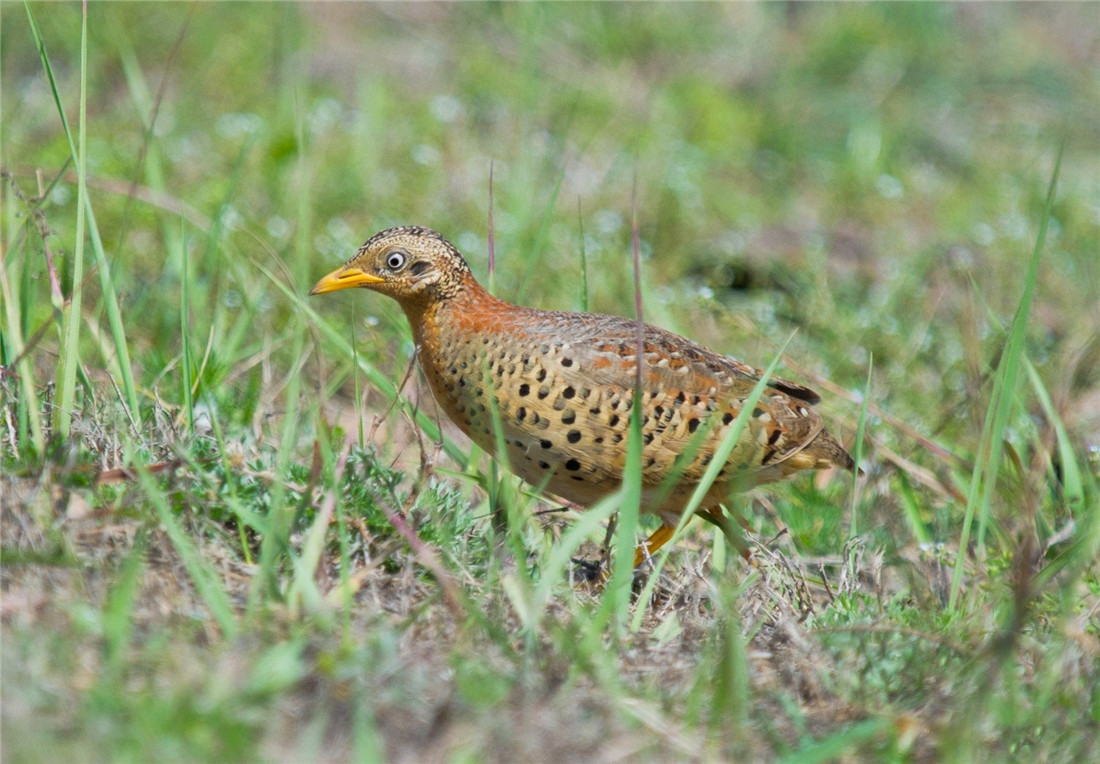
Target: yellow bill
point(344, 278)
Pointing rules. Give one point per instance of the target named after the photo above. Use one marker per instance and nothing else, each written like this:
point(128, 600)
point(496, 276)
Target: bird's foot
point(587, 572)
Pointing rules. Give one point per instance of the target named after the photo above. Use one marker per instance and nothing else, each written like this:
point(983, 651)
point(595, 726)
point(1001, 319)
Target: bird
point(562, 386)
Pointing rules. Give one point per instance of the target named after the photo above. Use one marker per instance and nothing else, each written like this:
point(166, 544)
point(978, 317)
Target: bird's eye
point(395, 260)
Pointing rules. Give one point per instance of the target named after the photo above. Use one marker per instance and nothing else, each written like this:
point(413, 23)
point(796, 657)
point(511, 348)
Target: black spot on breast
point(578, 478)
point(521, 413)
point(727, 418)
point(524, 389)
point(567, 362)
point(613, 421)
point(541, 376)
point(544, 465)
point(573, 436)
point(648, 438)
point(680, 397)
point(658, 411)
point(573, 465)
point(693, 424)
point(756, 413)
point(546, 444)
point(568, 392)
point(543, 392)
point(568, 416)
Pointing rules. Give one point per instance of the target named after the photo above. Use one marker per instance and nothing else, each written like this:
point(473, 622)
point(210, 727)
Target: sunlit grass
point(233, 529)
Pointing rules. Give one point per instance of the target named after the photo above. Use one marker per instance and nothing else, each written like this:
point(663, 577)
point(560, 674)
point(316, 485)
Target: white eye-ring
point(395, 260)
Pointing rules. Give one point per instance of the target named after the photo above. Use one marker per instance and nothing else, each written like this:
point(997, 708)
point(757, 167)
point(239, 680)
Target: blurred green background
point(793, 161)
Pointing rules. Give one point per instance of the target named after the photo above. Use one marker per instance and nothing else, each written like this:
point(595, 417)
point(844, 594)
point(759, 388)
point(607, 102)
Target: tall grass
point(85, 217)
point(987, 464)
point(29, 419)
point(72, 318)
point(244, 570)
point(857, 452)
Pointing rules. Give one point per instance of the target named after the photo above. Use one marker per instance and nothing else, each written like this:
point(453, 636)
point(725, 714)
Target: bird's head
point(410, 264)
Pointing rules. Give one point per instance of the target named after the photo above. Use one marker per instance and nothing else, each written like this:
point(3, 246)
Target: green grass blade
point(85, 218)
point(857, 453)
point(366, 742)
point(721, 456)
point(1073, 484)
point(29, 405)
point(504, 500)
point(535, 255)
point(203, 576)
point(728, 696)
point(584, 259)
point(355, 376)
point(622, 577)
point(118, 610)
point(17, 298)
point(984, 477)
point(492, 237)
point(912, 506)
point(618, 589)
point(246, 517)
point(561, 554)
point(303, 588)
point(121, 361)
point(835, 746)
point(70, 330)
point(185, 333)
point(281, 515)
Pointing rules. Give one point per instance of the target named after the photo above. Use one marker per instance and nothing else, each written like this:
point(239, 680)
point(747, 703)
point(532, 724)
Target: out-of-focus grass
point(265, 560)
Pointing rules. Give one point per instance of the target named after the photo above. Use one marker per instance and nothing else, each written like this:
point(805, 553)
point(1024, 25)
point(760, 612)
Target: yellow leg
point(656, 540)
